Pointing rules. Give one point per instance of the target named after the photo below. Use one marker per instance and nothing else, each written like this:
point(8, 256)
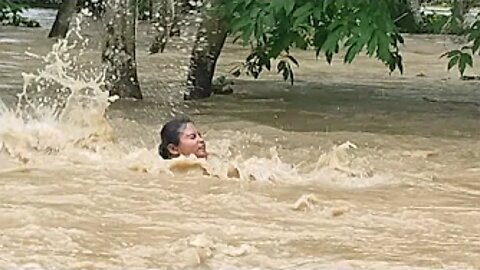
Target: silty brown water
point(350, 168)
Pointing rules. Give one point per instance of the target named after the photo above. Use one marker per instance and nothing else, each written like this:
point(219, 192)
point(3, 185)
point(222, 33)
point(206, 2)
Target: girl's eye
point(193, 136)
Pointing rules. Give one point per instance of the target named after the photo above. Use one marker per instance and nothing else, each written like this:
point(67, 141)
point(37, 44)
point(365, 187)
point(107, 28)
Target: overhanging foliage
point(272, 27)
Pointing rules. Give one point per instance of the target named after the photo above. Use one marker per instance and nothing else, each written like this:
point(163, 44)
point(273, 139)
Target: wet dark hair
point(170, 134)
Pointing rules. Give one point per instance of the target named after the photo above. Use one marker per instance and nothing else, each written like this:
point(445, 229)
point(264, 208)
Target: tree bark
point(62, 21)
point(415, 9)
point(164, 20)
point(209, 42)
point(119, 49)
point(459, 10)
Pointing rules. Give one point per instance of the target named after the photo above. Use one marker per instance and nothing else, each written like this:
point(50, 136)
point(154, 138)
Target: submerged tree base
point(196, 93)
point(118, 54)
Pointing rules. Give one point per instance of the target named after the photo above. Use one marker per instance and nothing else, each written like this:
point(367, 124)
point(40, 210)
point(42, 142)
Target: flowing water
point(350, 168)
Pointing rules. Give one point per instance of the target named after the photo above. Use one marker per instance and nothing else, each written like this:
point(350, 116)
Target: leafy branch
point(273, 27)
point(257, 61)
point(464, 57)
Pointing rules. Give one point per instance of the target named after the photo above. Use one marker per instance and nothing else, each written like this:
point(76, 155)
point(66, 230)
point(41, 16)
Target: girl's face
point(191, 142)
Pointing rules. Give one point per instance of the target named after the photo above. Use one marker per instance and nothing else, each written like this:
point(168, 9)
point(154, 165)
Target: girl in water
point(179, 137)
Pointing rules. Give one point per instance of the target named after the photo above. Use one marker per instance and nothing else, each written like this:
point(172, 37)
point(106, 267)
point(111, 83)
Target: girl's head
point(180, 137)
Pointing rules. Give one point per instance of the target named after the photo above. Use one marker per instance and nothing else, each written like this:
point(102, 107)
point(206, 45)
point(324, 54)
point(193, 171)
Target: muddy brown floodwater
point(350, 168)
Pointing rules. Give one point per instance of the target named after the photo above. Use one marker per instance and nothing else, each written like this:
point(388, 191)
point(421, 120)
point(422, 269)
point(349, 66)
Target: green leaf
point(302, 15)
point(236, 73)
point(329, 56)
point(280, 44)
point(293, 60)
point(301, 42)
point(474, 35)
point(277, 5)
point(351, 40)
point(326, 3)
point(255, 13)
point(453, 61)
point(304, 11)
point(372, 44)
point(247, 33)
point(400, 64)
point(400, 39)
point(270, 21)
point(280, 66)
point(285, 73)
point(476, 45)
point(290, 72)
point(383, 51)
point(451, 53)
point(264, 60)
point(464, 59)
point(241, 24)
point(366, 32)
point(352, 51)
point(236, 38)
point(319, 39)
point(334, 25)
point(467, 58)
point(268, 65)
point(461, 66)
point(332, 40)
point(288, 6)
point(318, 14)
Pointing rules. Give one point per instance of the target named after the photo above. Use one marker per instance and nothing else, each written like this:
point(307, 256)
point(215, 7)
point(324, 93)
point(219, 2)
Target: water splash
point(62, 105)
point(62, 108)
point(339, 160)
point(341, 166)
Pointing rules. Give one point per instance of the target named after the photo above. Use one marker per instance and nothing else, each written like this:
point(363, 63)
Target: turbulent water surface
point(350, 168)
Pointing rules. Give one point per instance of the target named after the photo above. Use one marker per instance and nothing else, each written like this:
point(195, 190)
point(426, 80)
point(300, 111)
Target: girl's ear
point(173, 149)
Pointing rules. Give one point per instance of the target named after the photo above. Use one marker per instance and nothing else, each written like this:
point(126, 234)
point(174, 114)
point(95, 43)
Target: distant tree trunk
point(459, 10)
point(118, 53)
point(150, 9)
point(415, 9)
point(210, 39)
point(164, 20)
point(62, 21)
point(456, 23)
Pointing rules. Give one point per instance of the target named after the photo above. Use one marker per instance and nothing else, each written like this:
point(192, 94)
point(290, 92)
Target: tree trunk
point(459, 10)
point(415, 9)
point(211, 36)
point(62, 21)
point(119, 49)
point(164, 20)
